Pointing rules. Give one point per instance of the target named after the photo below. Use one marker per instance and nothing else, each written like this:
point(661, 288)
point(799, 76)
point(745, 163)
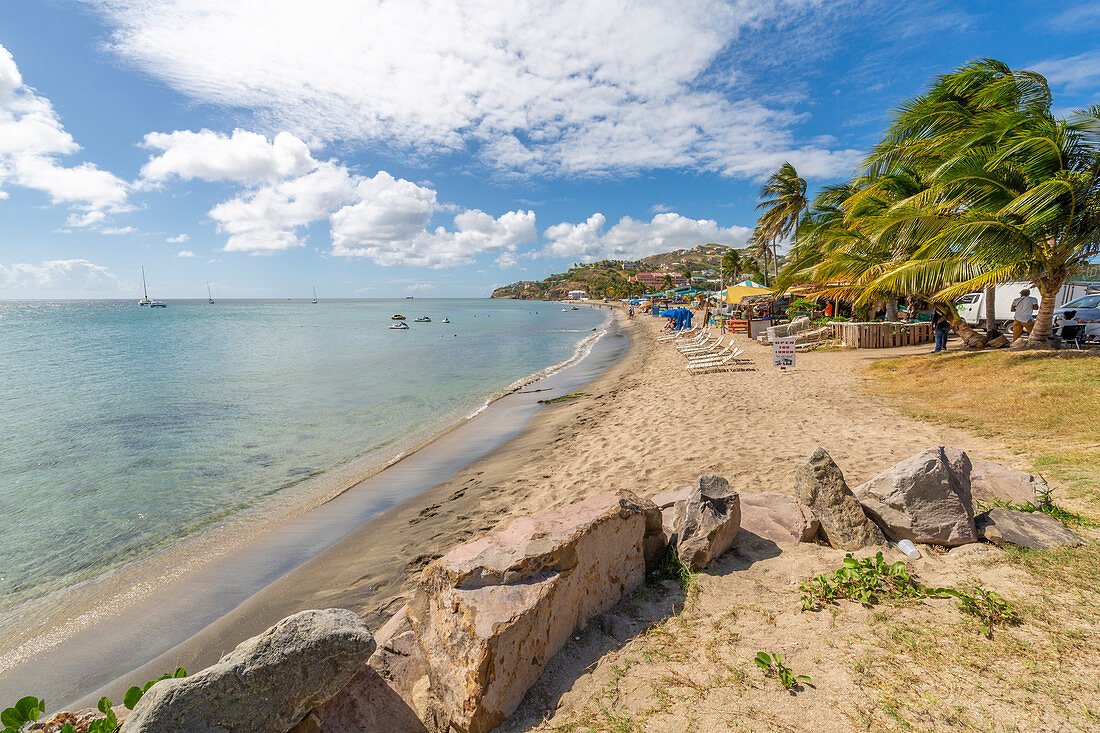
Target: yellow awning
point(735, 293)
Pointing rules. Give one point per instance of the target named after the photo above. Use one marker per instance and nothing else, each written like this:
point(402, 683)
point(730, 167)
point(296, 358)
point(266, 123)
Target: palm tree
point(731, 262)
point(1017, 191)
point(784, 195)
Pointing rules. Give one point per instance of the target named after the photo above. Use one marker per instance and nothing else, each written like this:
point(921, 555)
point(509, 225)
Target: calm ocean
point(127, 429)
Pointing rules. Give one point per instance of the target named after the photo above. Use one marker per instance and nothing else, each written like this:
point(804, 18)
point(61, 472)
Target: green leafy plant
point(108, 723)
point(801, 306)
point(564, 398)
point(873, 580)
point(989, 608)
point(27, 710)
point(865, 581)
point(773, 666)
point(133, 695)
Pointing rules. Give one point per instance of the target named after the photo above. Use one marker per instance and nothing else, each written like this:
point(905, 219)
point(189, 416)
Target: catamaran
point(145, 300)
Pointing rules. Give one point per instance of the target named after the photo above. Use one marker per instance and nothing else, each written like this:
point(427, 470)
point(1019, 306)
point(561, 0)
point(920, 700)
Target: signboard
point(784, 351)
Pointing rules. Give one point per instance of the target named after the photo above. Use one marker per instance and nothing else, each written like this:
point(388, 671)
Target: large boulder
point(491, 613)
point(706, 521)
point(778, 517)
point(925, 498)
point(819, 484)
point(989, 480)
point(269, 682)
point(383, 696)
point(1034, 530)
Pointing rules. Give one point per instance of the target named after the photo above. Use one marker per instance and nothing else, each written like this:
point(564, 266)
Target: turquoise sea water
point(126, 429)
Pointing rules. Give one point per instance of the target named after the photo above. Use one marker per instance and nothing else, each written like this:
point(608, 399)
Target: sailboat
point(209, 297)
point(145, 300)
point(314, 294)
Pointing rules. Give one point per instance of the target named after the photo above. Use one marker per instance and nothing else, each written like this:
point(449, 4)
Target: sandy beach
point(646, 426)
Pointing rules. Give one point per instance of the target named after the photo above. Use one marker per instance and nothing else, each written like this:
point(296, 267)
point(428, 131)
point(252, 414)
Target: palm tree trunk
point(970, 338)
point(892, 310)
point(991, 311)
point(1044, 322)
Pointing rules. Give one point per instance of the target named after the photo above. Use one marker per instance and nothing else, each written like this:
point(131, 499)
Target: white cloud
point(58, 275)
point(419, 288)
point(631, 238)
point(563, 88)
point(185, 253)
point(268, 219)
point(118, 230)
point(390, 225)
point(31, 139)
point(178, 239)
point(212, 156)
point(1073, 73)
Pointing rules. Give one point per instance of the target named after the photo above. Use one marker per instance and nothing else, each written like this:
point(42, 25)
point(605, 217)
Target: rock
point(706, 521)
point(666, 503)
point(269, 682)
point(381, 696)
point(989, 480)
point(819, 484)
point(1033, 530)
point(491, 613)
point(79, 719)
point(925, 498)
point(655, 541)
point(998, 342)
point(777, 517)
point(615, 626)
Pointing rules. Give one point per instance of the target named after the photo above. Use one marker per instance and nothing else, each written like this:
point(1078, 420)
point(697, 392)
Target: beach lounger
point(729, 361)
point(688, 339)
point(704, 361)
point(711, 350)
point(707, 343)
point(711, 355)
point(687, 333)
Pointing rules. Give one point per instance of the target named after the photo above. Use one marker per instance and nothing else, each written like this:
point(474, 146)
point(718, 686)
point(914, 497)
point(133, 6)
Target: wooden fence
point(879, 335)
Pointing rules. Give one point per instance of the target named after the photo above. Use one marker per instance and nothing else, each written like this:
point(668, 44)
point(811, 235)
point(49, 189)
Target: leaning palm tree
point(785, 201)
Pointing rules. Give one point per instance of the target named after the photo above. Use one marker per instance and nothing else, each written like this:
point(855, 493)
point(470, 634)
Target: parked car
point(1084, 312)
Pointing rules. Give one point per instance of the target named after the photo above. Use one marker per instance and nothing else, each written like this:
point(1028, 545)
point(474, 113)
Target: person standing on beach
point(1023, 310)
point(940, 327)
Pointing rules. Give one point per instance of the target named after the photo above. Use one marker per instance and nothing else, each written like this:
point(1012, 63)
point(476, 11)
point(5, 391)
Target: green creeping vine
point(773, 667)
point(28, 710)
point(873, 580)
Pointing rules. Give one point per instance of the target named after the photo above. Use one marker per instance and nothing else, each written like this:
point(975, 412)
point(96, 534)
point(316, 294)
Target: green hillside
point(609, 278)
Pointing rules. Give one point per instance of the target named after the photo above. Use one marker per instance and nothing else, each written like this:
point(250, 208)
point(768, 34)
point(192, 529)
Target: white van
point(971, 307)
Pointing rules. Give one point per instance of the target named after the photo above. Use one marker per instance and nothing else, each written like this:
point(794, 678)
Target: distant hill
point(600, 279)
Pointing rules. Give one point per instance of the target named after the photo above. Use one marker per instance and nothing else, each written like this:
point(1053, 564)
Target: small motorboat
point(574, 308)
point(445, 320)
point(158, 304)
point(399, 326)
point(397, 317)
point(422, 319)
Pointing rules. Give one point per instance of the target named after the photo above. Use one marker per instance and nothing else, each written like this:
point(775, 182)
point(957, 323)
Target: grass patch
point(564, 398)
point(1044, 403)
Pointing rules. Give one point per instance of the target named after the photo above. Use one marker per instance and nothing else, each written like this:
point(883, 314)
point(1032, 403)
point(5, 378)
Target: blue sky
point(385, 149)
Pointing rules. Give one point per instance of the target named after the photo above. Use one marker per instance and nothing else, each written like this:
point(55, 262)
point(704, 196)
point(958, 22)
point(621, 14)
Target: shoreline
point(202, 560)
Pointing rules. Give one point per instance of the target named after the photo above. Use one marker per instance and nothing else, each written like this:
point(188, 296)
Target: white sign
point(784, 351)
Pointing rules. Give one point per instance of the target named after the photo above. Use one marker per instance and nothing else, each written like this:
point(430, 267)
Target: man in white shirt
point(1023, 313)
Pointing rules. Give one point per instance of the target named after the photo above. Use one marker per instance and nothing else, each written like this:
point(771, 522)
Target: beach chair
point(708, 350)
point(708, 345)
point(731, 360)
point(677, 335)
point(706, 342)
point(712, 355)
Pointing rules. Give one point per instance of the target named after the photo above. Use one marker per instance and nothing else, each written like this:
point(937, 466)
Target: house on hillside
point(577, 294)
point(655, 280)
